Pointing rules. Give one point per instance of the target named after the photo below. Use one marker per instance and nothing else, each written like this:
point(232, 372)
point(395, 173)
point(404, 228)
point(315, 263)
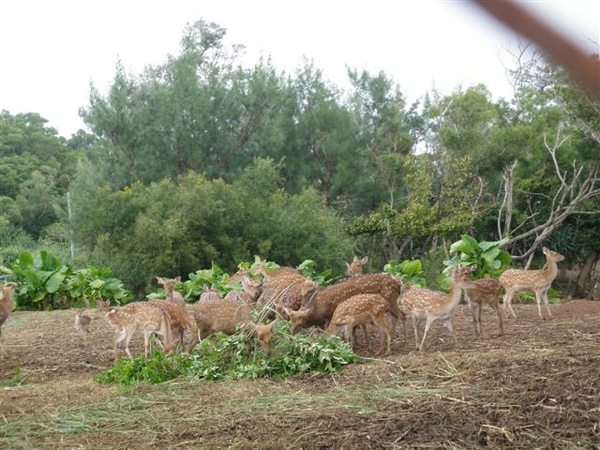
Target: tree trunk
point(584, 277)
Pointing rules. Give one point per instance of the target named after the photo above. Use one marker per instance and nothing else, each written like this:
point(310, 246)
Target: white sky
point(52, 50)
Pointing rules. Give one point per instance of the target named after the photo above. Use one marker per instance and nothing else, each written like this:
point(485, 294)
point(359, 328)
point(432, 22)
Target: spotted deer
point(361, 310)
point(320, 304)
point(181, 320)
point(537, 281)
point(355, 268)
point(209, 293)
point(82, 323)
point(170, 293)
point(138, 316)
point(250, 291)
point(6, 307)
point(226, 316)
point(479, 293)
point(426, 305)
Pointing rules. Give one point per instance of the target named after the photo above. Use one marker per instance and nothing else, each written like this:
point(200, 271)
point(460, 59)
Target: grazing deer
point(6, 307)
point(82, 323)
point(355, 268)
point(180, 319)
point(225, 316)
point(142, 316)
point(250, 293)
point(320, 304)
point(428, 305)
point(171, 294)
point(537, 281)
point(485, 291)
point(361, 310)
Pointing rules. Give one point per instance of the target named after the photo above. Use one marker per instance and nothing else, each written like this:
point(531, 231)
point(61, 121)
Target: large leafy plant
point(49, 283)
point(409, 271)
point(489, 258)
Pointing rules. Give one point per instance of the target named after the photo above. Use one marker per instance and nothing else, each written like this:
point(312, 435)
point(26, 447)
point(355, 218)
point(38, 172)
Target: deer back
point(221, 315)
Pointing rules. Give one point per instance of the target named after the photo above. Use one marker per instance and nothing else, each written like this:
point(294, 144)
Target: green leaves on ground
point(236, 357)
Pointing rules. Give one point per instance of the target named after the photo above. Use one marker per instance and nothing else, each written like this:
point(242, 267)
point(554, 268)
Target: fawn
point(537, 281)
point(485, 291)
point(428, 305)
point(355, 268)
point(82, 323)
point(6, 307)
point(361, 310)
point(171, 294)
point(142, 316)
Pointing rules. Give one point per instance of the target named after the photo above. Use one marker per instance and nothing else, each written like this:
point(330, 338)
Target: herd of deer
point(357, 301)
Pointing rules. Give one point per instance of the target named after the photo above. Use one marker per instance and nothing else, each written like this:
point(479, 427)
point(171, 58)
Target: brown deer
point(142, 316)
point(82, 323)
point(537, 281)
point(250, 293)
point(428, 305)
point(6, 307)
point(485, 291)
point(171, 294)
point(180, 319)
point(361, 310)
point(209, 293)
point(355, 268)
point(225, 316)
point(320, 304)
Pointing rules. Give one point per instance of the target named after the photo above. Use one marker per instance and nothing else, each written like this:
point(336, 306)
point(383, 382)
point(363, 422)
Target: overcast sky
point(52, 49)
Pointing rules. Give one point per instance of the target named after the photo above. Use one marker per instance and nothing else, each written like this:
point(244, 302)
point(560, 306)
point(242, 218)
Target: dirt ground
point(537, 386)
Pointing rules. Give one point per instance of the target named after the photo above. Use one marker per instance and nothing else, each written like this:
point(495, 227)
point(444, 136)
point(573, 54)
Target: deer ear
point(159, 280)
point(177, 279)
point(365, 260)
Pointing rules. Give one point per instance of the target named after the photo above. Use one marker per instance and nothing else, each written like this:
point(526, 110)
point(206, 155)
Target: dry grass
point(535, 387)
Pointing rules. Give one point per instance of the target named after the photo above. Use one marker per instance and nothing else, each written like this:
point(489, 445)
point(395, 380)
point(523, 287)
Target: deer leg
point(448, 323)
point(538, 300)
point(427, 326)
point(479, 308)
point(545, 298)
point(381, 323)
point(4, 353)
point(415, 322)
point(507, 300)
point(499, 314)
point(119, 336)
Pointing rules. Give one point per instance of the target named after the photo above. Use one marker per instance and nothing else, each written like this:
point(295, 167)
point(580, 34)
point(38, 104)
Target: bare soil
point(537, 386)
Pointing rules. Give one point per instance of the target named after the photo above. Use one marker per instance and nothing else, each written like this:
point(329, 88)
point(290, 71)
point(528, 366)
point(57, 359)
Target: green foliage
point(410, 272)
point(308, 269)
point(235, 357)
point(487, 256)
point(49, 283)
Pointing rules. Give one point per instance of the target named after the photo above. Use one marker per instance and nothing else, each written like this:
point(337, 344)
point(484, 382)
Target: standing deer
point(82, 323)
point(485, 291)
point(6, 307)
point(171, 294)
point(142, 316)
point(361, 310)
point(537, 281)
point(355, 268)
point(427, 305)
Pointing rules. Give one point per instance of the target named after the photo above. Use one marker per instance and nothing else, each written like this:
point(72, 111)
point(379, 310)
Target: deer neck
point(454, 295)
point(551, 269)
